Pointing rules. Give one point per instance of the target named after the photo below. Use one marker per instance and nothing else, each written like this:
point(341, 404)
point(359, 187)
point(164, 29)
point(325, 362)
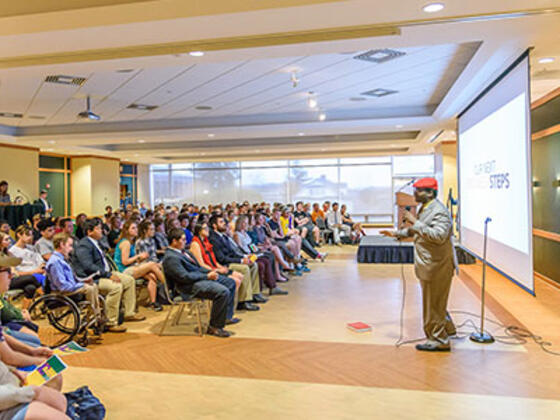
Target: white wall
point(20, 167)
point(95, 184)
point(144, 184)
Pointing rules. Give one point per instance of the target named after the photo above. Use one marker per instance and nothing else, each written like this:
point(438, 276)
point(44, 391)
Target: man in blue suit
point(187, 277)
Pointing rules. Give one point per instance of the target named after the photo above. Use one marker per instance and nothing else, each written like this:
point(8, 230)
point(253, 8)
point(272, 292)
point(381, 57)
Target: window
point(212, 186)
point(367, 189)
point(182, 186)
point(161, 184)
point(264, 184)
point(365, 184)
point(310, 184)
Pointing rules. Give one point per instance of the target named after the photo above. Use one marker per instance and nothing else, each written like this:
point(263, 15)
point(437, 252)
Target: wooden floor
point(296, 359)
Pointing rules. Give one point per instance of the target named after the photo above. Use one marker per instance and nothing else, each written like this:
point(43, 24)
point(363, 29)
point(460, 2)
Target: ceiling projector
point(88, 113)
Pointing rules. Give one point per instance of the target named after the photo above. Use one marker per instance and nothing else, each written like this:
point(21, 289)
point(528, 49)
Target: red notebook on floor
point(359, 326)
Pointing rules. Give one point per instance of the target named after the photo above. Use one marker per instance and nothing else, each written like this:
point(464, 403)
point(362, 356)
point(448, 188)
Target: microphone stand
point(24, 196)
point(481, 336)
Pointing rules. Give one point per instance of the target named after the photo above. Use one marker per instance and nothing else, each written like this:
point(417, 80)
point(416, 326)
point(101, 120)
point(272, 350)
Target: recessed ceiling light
point(141, 141)
point(546, 60)
point(126, 160)
point(211, 135)
point(202, 154)
point(379, 92)
point(301, 134)
point(142, 107)
point(196, 53)
point(257, 151)
point(136, 154)
point(49, 150)
point(51, 142)
point(433, 7)
point(323, 150)
point(322, 116)
point(311, 100)
point(399, 126)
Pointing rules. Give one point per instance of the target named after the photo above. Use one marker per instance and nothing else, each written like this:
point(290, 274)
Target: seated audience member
point(115, 225)
point(116, 287)
point(245, 243)
point(280, 221)
point(34, 222)
point(185, 221)
point(61, 277)
point(29, 402)
point(246, 279)
point(160, 237)
point(5, 228)
point(12, 351)
point(80, 220)
point(260, 238)
point(191, 280)
point(326, 208)
point(227, 253)
point(18, 322)
point(317, 212)
point(30, 274)
point(136, 265)
point(66, 225)
point(172, 223)
point(356, 227)
point(305, 225)
point(44, 245)
point(143, 209)
point(146, 242)
point(334, 220)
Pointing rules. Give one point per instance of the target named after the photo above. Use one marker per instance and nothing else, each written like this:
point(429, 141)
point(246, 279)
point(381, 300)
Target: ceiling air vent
point(378, 93)
point(379, 56)
point(142, 107)
point(10, 115)
point(66, 80)
point(203, 108)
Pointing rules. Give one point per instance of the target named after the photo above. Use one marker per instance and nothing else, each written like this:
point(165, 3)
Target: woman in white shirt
point(30, 274)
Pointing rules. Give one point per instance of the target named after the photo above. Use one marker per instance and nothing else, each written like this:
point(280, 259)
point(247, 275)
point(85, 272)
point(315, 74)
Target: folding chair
point(194, 308)
point(325, 232)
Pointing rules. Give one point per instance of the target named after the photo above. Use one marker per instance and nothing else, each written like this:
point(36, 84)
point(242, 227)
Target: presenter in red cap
point(434, 262)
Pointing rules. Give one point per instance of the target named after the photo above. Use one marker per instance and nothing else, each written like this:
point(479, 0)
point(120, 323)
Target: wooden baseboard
point(546, 279)
point(377, 225)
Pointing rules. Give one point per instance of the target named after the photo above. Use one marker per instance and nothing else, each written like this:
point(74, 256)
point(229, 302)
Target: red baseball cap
point(426, 183)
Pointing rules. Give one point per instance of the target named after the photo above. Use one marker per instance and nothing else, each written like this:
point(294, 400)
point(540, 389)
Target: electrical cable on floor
point(513, 334)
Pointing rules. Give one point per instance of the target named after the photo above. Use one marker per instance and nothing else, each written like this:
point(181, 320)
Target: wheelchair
point(62, 317)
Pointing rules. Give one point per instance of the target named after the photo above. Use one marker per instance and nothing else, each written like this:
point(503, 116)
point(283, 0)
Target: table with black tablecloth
point(384, 250)
point(17, 215)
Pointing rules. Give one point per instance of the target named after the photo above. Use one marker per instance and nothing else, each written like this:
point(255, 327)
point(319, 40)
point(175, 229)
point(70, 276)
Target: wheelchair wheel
point(58, 318)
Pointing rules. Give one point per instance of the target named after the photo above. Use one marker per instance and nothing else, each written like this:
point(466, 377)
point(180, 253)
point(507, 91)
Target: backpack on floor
point(83, 405)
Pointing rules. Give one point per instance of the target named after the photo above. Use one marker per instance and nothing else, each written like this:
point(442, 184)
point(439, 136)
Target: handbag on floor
point(83, 405)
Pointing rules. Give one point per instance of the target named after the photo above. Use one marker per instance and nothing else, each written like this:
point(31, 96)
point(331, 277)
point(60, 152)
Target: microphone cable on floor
point(512, 334)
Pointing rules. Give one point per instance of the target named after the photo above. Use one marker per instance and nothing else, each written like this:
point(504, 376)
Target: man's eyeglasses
point(5, 270)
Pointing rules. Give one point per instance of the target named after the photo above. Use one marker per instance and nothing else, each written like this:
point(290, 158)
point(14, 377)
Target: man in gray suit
point(434, 262)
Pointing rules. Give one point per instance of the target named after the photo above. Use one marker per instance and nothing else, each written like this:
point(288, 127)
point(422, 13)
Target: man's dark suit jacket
point(87, 260)
point(40, 203)
point(225, 253)
point(181, 273)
